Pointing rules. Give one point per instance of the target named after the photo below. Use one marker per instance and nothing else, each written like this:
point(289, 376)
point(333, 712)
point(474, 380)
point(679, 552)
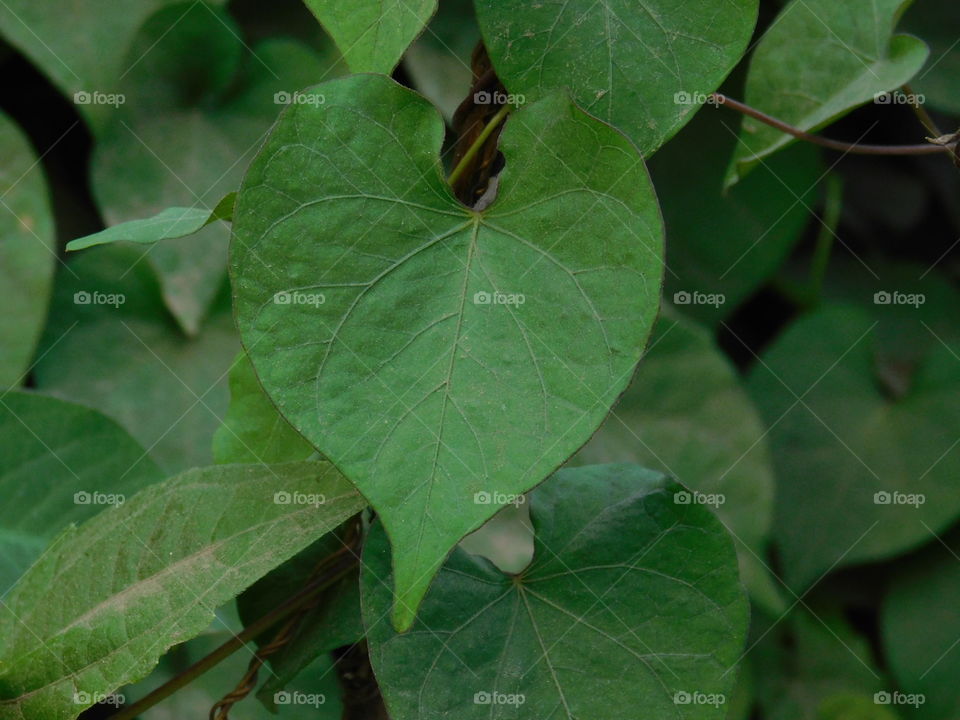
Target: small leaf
point(643, 67)
point(450, 352)
point(60, 463)
point(631, 601)
point(372, 34)
point(169, 224)
point(149, 574)
point(819, 60)
point(253, 430)
point(27, 253)
point(861, 439)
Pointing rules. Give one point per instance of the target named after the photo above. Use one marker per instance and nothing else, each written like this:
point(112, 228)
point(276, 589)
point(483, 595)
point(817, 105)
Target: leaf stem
point(478, 143)
point(853, 148)
point(921, 112)
point(833, 206)
point(343, 565)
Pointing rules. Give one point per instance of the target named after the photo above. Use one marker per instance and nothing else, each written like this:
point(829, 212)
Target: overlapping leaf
point(447, 352)
point(644, 67)
point(819, 60)
point(149, 574)
point(632, 601)
point(27, 253)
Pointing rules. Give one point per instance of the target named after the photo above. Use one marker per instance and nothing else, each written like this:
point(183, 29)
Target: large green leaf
point(631, 602)
point(644, 67)
point(59, 463)
point(920, 628)
point(197, 107)
point(856, 433)
point(724, 244)
point(687, 415)
point(27, 253)
point(149, 574)
point(434, 352)
point(373, 34)
point(819, 60)
point(132, 362)
point(253, 430)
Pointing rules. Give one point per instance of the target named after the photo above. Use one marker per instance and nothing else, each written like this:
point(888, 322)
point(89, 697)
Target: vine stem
point(921, 112)
point(853, 148)
point(478, 143)
point(338, 570)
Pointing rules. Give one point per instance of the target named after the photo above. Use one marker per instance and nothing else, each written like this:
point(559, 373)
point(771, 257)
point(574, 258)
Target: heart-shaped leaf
point(644, 67)
point(862, 442)
point(59, 463)
point(149, 574)
point(819, 60)
point(624, 581)
point(372, 34)
point(27, 253)
point(442, 357)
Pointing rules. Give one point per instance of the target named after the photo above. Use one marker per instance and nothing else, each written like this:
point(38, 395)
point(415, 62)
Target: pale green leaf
point(819, 60)
point(449, 352)
point(148, 574)
point(27, 253)
point(644, 67)
point(631, 601)
point(59, 463)
point(373, 34)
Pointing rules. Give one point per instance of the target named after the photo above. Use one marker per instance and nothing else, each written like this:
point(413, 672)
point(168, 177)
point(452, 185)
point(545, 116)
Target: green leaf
point(687, 415)
point(920, 627)
point(169, 224)
point(819, 60)
point(197, 107)
point(626, 583)
point(725, 244)
point(130, 360)
point(148, 574)
point(333, 623)
point(27, 253)
point(451, 352)
point(861, 440)
point(372, 34)
point(253, 430)
point(60, 463)
point(643, 67)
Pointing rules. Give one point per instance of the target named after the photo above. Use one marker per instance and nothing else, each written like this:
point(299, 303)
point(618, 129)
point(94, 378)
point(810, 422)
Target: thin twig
point(921, 112)
point(853, 148)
